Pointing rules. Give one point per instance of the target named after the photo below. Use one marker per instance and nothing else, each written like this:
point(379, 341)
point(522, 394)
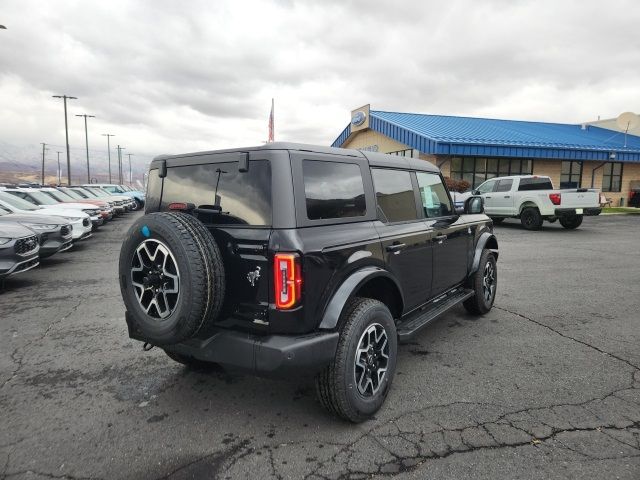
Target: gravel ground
point(547, 385)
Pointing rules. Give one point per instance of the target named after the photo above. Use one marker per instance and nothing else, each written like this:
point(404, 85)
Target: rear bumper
point(271, 355)
point(561, 212)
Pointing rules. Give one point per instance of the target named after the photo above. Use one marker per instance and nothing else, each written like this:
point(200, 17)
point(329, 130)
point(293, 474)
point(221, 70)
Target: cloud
point(176, 77)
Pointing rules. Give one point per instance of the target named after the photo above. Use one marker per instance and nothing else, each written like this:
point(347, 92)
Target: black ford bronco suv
point(291, 259)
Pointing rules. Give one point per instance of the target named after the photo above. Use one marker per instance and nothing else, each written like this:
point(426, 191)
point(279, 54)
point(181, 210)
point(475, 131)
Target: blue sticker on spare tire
point(145, 231)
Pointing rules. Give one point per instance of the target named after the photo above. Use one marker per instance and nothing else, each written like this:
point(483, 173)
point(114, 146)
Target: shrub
point(457, 185)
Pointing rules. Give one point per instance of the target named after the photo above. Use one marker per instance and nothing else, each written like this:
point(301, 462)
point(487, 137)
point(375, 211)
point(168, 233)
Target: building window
point(477, 170)
point(612, 177)
point(571, 175)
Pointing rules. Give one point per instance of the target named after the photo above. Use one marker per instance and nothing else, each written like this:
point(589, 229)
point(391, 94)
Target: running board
point(408, 328)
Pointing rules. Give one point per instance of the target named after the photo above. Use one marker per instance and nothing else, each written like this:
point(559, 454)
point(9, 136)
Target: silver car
point(19, 249)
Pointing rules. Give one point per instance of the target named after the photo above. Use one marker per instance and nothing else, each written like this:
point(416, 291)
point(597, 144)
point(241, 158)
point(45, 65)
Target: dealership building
point(589, 155)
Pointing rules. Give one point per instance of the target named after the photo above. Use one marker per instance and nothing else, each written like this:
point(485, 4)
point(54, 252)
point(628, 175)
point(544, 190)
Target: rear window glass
point(535, 184)
point(333, 190)
point(242, 198)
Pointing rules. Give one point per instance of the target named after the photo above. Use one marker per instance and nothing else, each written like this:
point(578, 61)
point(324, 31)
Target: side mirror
point(474, 205)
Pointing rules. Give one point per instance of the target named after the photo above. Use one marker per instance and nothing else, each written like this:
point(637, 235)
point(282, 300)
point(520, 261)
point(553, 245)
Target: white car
point(532, 199)
point(80, 221)
point(121, 204)
point(102, 193)
point(37, 197)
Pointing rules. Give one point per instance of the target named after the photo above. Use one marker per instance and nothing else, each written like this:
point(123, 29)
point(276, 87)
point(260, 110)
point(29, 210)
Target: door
point(451, 236)
point(502, 199)
point(406, 243)
point(486, 190)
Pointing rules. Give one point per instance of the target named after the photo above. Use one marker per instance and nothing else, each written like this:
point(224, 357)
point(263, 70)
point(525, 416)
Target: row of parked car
point(40, 221)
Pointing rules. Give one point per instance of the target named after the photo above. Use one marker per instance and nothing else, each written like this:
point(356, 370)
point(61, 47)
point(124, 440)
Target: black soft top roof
point(375, 159)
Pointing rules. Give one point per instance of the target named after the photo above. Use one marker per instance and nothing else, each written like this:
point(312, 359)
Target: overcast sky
point(170, 77)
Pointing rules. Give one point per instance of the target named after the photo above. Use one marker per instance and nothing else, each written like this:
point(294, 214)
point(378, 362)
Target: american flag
point(271, 123)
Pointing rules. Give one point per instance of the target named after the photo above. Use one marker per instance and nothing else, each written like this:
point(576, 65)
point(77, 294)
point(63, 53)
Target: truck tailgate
point(577, 199)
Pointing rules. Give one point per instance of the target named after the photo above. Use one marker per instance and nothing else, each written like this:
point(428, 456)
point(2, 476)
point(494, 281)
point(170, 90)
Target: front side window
point(234, 197)
point(394, 195)
point(333, 190)
point(435, 201)
point(612, 177)
point(487, 186)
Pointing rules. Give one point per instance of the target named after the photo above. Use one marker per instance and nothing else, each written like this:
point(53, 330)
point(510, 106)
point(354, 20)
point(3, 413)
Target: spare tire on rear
point(172, 277)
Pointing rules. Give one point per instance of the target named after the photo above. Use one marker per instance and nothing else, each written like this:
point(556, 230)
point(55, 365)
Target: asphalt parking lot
point(547, 385)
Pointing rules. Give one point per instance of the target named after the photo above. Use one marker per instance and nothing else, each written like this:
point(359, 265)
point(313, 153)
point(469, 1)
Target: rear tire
point(485, 279)
point(531, 219)
point(353, 386)
point(571, 222)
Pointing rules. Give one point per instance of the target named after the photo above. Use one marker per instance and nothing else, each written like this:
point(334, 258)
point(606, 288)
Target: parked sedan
point(41, 199)
point(108, 210)
point(118, 205)
point(114, 189)
point(19, 249)
point(93, 209)
point(54, 233)
point(80, 221)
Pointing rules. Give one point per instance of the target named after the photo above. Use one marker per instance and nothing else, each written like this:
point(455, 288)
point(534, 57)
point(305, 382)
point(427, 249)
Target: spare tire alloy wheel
point(371, 360)
point(155, 278)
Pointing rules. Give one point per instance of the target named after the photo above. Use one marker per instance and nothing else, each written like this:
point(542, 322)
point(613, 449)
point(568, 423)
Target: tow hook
point(147, 346)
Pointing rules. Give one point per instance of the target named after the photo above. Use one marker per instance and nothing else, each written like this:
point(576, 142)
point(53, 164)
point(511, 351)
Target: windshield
point(72, 194)
point(41, 198)
point(3, 211)
point(86, 192)
point(99, 192)
point(61, 197)
point(17, 203)
point(113, 189)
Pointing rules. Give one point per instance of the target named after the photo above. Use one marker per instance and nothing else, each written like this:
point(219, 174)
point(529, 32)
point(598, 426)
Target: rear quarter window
point(243, 198)
point(333, 190)
point(527, 184)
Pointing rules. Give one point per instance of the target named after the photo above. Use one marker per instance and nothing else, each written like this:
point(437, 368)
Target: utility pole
point(43, 149)
point(130, 178)
point(109, 151)
point(66, 132)
point(120, 164)
point(59, 169)
point(86, 137)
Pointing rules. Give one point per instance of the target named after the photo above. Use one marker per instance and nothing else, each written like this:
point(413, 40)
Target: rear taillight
point(287, 274)
point(555, 198)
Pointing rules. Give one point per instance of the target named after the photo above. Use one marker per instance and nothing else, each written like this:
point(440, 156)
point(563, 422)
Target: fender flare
point(346, 291)
point(484, 239)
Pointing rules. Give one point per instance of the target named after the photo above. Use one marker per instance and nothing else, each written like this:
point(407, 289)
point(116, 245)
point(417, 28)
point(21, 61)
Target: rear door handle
point(396, 247)
point(507, 196)
point(487, 196)
point(440, 238)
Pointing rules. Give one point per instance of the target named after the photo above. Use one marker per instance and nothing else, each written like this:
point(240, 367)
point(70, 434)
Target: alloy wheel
point(489, 281)
point(371, 360)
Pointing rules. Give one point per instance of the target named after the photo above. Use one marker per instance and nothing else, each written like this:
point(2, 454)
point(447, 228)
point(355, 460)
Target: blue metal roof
point(446, 135)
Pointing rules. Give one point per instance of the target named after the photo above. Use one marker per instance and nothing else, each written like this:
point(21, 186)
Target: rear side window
point(333, 190)
point(504, 185)
point(534, 183)
point(433, 194)
point(241, 198)
point(394, 195)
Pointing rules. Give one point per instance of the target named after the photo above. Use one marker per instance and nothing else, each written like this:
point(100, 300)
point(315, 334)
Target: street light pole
point(130, 179)
point(86, 137)
point(43, 149)
point(109, 151)
point(120, 164)
point(59, 170)
point(66, 132)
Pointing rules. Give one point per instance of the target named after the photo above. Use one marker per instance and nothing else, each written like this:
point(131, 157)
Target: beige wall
point(630, 172)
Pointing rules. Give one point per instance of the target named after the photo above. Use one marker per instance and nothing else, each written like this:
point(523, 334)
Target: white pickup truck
point(532, 199)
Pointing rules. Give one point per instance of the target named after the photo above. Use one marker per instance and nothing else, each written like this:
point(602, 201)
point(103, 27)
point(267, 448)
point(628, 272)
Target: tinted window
point(433, 194)
point(504, 185)
point(394, 194)
point(333, 190)
point(242, 198)
point(534, 183)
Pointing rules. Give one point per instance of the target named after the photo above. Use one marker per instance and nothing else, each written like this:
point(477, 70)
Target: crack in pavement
point(19, 360)
point(529, 319)
point(48, 475)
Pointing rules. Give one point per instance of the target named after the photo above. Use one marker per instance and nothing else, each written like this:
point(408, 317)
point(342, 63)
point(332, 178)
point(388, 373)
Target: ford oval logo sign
point(358, 119)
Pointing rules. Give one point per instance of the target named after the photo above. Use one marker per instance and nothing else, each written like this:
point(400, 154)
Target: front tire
point(356, 383)
point(484, 283)
point(571, 222)
point(531, 219)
